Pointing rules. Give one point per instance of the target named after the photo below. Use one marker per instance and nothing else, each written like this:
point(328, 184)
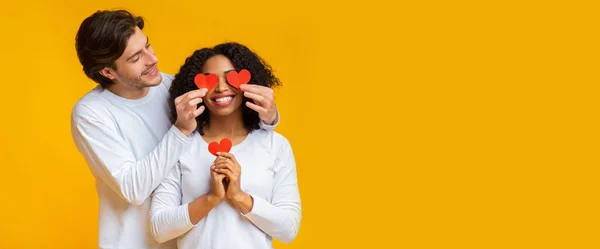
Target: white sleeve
point(111, 160)
point(281, 218)
point(270, 127)
point(168, 216)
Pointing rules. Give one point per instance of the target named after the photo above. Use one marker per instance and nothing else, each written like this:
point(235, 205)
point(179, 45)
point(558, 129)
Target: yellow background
point(437, 124)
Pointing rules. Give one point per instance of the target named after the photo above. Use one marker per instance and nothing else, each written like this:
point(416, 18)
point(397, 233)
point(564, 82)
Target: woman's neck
point(230, 126)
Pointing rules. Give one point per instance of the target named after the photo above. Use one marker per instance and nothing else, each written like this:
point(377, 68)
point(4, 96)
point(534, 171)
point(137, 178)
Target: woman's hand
point(217, 191)
point(227, 164)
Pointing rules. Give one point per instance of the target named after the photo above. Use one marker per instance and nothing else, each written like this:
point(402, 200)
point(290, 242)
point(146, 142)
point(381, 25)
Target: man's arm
point(111, 160)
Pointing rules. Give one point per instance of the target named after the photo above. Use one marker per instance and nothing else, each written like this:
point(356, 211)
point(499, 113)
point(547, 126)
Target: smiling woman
point(207, 201)
point(221, 61)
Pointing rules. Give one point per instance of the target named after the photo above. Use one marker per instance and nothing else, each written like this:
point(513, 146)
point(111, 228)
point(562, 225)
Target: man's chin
point(155, 81)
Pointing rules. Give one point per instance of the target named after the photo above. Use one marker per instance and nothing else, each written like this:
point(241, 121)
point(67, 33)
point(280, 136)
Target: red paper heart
point(206, 81)
point(224, 146)
point(237, 79)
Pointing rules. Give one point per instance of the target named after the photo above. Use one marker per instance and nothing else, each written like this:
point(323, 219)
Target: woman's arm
point(169, 217)
point(281, 217)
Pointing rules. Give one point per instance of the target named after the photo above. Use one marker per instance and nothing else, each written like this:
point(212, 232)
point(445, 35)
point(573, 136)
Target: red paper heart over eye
point(237, 79)
point(206, 81)
point(224, 146)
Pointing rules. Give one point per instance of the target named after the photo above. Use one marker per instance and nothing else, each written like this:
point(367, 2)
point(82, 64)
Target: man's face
point(137, 66)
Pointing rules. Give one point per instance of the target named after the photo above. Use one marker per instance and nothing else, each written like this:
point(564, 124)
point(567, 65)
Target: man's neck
point(127, 92)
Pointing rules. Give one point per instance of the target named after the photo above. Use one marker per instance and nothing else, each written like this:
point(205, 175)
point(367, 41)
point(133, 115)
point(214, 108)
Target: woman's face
point(223, 99)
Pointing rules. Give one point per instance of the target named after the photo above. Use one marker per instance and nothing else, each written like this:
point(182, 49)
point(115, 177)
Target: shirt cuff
point(259, 208)
point(268, 126)
point(188, 221)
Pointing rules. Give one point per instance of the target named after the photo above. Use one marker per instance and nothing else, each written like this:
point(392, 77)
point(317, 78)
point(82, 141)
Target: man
point(122, 126)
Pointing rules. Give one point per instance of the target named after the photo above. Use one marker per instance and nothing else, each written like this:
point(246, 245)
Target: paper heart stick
point(236, 79)
point(223, 146)
point(206, 81)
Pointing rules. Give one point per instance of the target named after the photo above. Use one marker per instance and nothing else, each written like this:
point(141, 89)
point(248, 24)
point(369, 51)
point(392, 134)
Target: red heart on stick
point(224, 146)
point(206, 81)
point(237, 79)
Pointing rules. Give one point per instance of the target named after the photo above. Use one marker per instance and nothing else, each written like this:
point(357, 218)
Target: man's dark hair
point(101, 40)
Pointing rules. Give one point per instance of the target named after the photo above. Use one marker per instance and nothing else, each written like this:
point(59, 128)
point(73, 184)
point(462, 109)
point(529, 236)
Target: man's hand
point(187, 111)
point(264, 101)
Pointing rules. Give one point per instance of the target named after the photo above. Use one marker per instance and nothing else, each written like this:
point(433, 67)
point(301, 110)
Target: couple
point(145, 136)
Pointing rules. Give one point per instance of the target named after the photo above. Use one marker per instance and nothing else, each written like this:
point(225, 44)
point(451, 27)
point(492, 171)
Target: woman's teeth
point(224, 99)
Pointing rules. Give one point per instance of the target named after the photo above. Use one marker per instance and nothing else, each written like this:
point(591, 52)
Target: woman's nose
point(221, 85)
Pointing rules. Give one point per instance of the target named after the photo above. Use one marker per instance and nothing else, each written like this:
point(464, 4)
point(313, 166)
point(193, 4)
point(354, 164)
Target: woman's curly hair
point(241, 57)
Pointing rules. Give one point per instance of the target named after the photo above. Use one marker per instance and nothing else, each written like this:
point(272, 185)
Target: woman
point(239, 199)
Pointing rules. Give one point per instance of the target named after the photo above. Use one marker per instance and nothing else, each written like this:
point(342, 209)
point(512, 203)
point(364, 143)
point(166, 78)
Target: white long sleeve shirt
point(268, 174)
point(130, 146)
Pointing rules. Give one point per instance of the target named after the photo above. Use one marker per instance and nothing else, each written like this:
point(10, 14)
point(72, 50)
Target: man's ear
point(108, 73)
